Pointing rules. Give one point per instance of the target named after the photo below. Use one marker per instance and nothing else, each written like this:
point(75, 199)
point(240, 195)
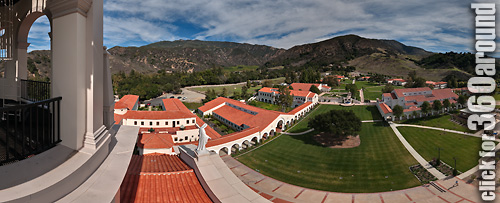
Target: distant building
point(412, 98)
point(160, 131)
point(127, 102)
point(364, 78)
point(436, 85)
point(397, 81)
point(269, 95)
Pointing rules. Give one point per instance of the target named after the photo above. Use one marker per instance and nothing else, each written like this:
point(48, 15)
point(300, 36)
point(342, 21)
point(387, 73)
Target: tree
point(267, 83)
point(453, 106)
point(388, 88)
point(224, 92)
point(248, 84)
point(284, 99)
point(425, 107)
point(398, 111)
point(414, 114)
point(336, 123)
point(236, 95)
point(314, 89)
point(446, 104)
point(244, 92)
point(462, 100)
point(436, 105)
point(331, 81)
point(352, 88)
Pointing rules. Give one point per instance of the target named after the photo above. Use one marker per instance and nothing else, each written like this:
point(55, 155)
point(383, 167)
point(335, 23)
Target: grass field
point(379, 164)
point(497, 97)
point(365, 84)
point(426, 141)
point(230, 89)
point(439, 121)
point(374, 92)
point(363, 112)
point(268, 106)
point(192, 106)
point(240, 68)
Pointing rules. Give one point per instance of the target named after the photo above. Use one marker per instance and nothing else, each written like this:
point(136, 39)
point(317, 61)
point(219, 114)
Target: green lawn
point(230, 89)
point(439, 121)
point(426, 141)
point(365, 84)
point(363, 112)
point(497, 97)
point(193, 105)
point(379, 164)
point(264, 105)
point(240, 68)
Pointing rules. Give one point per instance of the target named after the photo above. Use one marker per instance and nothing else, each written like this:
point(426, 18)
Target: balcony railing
point(35, 90)
point(29, 129)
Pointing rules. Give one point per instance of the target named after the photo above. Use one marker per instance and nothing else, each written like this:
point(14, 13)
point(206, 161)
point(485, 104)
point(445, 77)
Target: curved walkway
point(416, 155)
point(278, 191)
point(434, 128)
point(301, 133)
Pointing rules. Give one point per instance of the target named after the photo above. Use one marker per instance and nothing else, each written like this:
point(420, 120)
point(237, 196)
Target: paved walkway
point(301, 133)
point(416, 155)
point(434, 128)
point(371, 121)
point(278, 191)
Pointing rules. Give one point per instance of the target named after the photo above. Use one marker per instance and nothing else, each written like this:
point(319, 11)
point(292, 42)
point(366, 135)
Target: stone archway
point(235, 148)
point(272, 133)
point(223, 151)
point(254, 141)
point(246, 144)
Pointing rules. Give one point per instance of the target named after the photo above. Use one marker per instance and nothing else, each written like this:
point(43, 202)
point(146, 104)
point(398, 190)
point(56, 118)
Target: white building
point(269, 95)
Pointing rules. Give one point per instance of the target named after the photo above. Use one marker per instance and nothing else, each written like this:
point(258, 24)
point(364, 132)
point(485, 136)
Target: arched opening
point(254, 141)
point(272, 133)
point(245, 144)
point(279, 125)
point(35, 57)
point(223, 151)
point(235, 148)
point(264, 137)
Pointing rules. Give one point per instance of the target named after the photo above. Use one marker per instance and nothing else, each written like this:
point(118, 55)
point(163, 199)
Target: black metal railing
point(35, 90)
point(29, 129)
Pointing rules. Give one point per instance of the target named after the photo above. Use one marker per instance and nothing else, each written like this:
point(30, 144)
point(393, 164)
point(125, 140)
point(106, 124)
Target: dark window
point(151, 123)
point(187, 121)
point(142, 122)
point(178, 122)
point(166, 123)
point(135, 122)
point(157, 123)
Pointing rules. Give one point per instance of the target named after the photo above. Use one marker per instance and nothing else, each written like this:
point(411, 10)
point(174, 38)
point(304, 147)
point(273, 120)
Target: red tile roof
point(303, 86)
point(297, 93)
point(412, 108)
point(386, 109)
point(261, 120)
point(232, 137)
point(214, 103)
point(175, 105)
point(118, 118)
point(399, 92)
point(438, 94)
point(298, 108)
point(161, 178)
point(127, 101)
point(392, 95)
point(155, 141)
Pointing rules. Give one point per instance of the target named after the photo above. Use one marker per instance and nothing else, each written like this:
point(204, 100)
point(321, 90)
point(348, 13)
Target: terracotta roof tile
point(299, 108)
point(155, 141)
point(127, 101)
point(385, 108)
point(161, 178)
point(399, 92)
point(232, 137)
point(303, 86)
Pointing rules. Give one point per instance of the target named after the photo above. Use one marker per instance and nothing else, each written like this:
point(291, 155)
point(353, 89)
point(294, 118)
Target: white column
point(69, 69)
point(22, 60)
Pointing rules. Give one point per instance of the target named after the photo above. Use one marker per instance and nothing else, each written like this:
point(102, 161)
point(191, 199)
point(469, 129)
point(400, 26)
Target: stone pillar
point(69, 68)
point(109, 102)
point(22, 60)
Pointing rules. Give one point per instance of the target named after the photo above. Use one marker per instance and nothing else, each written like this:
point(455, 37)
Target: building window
point(157, 123)
point(186, 137)
point(135, 122)
point(151, 123)
point(142, 122)
point(166, 122)
point(193, 120)
point(178, 122)
point(175, 139)
point(187, 121)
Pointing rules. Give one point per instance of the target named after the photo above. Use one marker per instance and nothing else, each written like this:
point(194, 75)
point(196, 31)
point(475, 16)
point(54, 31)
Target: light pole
point(439, 152)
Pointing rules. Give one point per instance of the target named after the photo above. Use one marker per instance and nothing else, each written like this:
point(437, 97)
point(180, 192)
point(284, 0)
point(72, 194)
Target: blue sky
point(447, 25)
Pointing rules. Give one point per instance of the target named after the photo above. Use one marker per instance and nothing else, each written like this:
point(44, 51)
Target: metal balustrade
point(29, 129)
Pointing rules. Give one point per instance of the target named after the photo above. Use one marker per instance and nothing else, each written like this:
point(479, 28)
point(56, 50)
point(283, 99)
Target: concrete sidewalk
point(278, 191)
point(416, 155)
